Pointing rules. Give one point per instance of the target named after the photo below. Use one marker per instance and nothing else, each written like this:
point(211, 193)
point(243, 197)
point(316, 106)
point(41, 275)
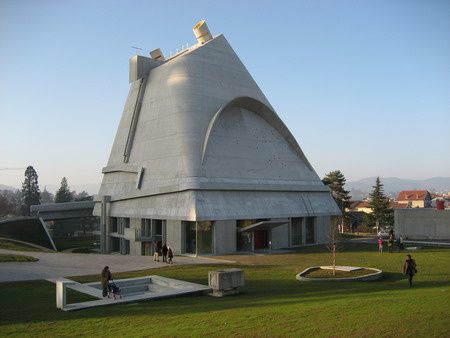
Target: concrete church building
point(202, 162)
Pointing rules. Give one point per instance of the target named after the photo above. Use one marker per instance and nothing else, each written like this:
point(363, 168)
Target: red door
point(261, 239)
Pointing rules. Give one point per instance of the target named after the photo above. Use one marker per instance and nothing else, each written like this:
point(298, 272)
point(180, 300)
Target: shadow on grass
point(25, 302)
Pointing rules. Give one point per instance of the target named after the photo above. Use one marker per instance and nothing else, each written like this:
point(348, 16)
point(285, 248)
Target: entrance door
point(261, 239)
point(146, 249)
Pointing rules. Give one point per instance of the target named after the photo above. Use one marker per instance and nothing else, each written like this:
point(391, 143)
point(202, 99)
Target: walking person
point(409, 269)
point(380, 245)
point(391, 241)
point(105, 278)
point(169, 255)
point(156, 248)
point(164, 252)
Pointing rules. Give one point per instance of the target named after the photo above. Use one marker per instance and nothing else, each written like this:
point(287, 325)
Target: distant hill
point(393, 185)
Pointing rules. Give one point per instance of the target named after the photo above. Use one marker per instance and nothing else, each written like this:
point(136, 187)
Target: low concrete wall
point(422, 223)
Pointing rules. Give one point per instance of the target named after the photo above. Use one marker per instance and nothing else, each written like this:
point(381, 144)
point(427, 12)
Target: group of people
point(162, 250)
point(391, 241)
point(409, 266)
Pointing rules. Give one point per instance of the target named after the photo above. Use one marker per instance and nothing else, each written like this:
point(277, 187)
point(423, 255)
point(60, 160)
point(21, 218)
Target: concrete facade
point(199, 147)
point(423, 223)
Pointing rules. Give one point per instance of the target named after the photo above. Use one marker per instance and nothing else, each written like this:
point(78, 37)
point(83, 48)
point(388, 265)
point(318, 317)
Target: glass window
point(113, 224)
point(296, 231)
point(310, 235)
point(205, 237)
point(244, 239)
point(157, 230)
point(190, 238)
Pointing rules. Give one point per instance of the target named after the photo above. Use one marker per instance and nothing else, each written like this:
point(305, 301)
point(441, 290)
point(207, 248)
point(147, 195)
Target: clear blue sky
point(363, 85)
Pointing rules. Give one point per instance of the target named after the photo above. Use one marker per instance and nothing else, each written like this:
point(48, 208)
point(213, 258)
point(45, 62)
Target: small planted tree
point(333, 241)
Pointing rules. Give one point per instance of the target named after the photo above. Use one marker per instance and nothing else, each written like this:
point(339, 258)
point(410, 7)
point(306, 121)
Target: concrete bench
point(225, 282)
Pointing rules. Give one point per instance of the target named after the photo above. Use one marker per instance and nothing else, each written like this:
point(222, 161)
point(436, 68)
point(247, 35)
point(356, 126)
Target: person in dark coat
point(156, 250)
point(164, 252)
point(391, 241)
point(169, 255)
point(409, 269)
point(105, 278)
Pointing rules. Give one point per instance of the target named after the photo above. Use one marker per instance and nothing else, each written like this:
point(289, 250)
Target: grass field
point(10, 245)
point(273, 302)
point(16, 258)
point(65, 243)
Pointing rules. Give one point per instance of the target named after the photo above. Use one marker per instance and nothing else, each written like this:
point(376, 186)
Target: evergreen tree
point(379, 203)
point(82, 196)
point(63, 194)
point(30, 191)
point(335, 180)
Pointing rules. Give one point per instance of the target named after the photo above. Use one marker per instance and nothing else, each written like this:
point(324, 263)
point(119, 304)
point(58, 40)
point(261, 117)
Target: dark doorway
point(190, 237)
point(261, 239)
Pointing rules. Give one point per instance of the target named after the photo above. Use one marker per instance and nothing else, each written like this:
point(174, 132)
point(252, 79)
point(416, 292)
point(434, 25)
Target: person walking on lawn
point(391, 241)
point(380, 245)
point(409, 269)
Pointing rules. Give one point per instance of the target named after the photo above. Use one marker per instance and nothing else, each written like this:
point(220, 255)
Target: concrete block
point(225, 282)
point(61, 294)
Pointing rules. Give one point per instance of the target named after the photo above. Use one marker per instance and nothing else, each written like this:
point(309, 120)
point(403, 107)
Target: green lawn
point(10, 245)
point(16, 258)
point(66, 243)
point(273, 302)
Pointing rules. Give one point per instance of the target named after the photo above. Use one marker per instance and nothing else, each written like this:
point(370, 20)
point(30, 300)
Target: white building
point(202, 162)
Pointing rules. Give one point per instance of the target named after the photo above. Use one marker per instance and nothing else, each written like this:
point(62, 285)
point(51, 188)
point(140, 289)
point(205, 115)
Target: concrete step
point(123, 284)
point(134, 289)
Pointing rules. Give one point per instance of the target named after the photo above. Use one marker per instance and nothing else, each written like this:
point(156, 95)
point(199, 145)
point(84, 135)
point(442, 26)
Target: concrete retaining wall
point(422, 223)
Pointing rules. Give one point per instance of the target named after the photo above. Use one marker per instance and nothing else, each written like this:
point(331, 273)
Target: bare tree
point(333, 239)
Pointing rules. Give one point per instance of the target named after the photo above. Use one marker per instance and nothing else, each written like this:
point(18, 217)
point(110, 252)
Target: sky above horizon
point(364, 86)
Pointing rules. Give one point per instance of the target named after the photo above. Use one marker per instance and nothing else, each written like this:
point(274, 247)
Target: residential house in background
point(415, 198)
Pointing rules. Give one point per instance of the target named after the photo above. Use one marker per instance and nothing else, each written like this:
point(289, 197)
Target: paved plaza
point(53, 265)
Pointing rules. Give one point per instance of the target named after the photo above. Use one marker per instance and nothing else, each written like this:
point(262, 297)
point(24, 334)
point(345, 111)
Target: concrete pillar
point(175, 236)
point(104, 224)
point(224, 237)
point(61, 294)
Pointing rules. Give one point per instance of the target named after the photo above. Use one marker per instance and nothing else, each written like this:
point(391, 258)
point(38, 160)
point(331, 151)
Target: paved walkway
point(422, 242)
point(53, 265)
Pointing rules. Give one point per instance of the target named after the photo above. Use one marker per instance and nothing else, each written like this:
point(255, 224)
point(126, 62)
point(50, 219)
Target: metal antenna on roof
point(136, 49)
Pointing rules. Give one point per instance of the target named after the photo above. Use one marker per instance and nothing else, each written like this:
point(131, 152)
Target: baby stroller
point(114, 289)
